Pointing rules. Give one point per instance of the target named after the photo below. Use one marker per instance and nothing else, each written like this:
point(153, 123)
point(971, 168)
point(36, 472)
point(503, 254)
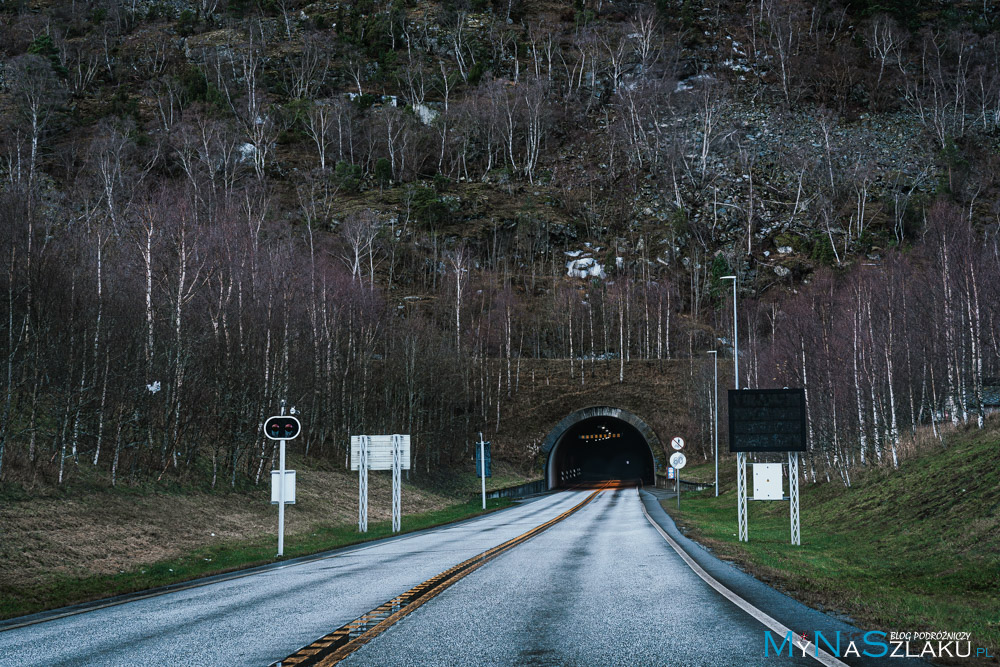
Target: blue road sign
point(489, 462)
point(670, 472)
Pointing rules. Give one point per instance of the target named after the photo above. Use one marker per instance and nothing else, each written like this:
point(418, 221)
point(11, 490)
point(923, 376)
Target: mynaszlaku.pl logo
point(876, 644)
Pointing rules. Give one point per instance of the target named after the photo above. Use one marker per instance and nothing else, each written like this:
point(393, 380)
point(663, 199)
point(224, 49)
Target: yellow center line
point(334, 647)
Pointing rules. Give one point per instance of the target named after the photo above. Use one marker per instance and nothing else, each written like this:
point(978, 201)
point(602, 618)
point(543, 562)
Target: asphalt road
point(258, 619)
point(599, 588)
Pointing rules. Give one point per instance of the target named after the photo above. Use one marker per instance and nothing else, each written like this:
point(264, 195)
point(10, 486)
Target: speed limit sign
point(678, 460)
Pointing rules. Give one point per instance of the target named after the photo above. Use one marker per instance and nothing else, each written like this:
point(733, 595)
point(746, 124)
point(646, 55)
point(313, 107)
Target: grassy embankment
point(906, 550)
point(61, 546)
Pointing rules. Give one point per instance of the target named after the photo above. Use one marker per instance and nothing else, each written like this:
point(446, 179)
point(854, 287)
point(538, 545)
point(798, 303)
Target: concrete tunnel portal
point(600, 443)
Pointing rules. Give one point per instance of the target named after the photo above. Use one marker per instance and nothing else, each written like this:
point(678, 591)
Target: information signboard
point(380, 452)
point(767, 420)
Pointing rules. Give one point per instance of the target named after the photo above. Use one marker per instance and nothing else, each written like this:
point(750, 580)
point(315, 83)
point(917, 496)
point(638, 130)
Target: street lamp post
point(736, 345)
point(741, 457)
point(715, 412)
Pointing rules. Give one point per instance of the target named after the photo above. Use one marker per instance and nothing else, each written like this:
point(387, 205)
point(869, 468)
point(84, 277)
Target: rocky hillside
point(363, 207)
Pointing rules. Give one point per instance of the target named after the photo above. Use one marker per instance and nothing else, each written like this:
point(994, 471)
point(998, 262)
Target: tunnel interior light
point(600, 436)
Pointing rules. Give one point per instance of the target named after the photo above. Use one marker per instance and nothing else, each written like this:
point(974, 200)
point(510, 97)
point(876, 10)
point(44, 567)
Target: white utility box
point(289, 486)
point(767, 481)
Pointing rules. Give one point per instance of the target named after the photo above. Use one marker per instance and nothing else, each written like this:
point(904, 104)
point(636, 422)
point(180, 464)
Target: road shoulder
point(788, 611)
point(83, 607)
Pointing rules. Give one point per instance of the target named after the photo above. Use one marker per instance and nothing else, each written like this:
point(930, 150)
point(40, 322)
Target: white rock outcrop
point(585, 267)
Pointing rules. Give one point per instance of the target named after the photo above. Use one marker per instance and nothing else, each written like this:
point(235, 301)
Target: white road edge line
point(240, 575)
point(819, 654)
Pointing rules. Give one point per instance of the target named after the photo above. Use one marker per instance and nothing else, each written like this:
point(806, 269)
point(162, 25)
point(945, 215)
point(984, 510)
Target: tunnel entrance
point(597, 444)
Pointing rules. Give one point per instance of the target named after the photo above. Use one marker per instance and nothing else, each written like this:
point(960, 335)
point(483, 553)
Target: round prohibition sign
point(678, 460)
point(677, 443)
point(282, 428)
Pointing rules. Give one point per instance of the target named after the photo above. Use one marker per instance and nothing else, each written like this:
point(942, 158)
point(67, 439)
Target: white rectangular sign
point(380, 452)
point(289, 486)
point(767, 481)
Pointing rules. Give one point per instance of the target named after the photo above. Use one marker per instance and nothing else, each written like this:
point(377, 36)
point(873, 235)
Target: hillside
point(371, 210)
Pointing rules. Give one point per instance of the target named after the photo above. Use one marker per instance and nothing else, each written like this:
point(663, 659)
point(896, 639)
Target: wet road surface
point(258, 619)
point(600, 588)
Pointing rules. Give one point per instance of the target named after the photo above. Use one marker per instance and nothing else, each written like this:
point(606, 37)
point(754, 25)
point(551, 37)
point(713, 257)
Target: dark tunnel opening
point(599, 449)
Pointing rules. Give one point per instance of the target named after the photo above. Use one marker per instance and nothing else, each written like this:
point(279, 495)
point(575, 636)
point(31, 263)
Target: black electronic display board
point(767, 420)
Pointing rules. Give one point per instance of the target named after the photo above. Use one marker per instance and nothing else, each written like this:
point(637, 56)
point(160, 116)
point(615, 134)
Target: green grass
point(913, 549)
point(701, 472)
point(18, 600)
point(466, 483)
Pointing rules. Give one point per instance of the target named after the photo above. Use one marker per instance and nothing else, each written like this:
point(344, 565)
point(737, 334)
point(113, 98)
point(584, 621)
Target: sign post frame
point(363, 486)
point(741, 495)
point(281, 494)
point(397, 484)
point(274, 429)
point(765, 421)
point(793, 493)
point(380, 452)
point(678, 461)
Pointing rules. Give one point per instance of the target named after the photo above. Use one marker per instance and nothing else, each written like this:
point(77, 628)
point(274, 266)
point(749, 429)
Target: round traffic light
point(282, 428)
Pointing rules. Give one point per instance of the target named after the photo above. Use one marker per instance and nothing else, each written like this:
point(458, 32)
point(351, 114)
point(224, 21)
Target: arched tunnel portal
point(600, 443)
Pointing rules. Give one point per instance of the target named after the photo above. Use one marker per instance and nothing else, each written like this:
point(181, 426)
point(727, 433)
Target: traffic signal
point(282, 428)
